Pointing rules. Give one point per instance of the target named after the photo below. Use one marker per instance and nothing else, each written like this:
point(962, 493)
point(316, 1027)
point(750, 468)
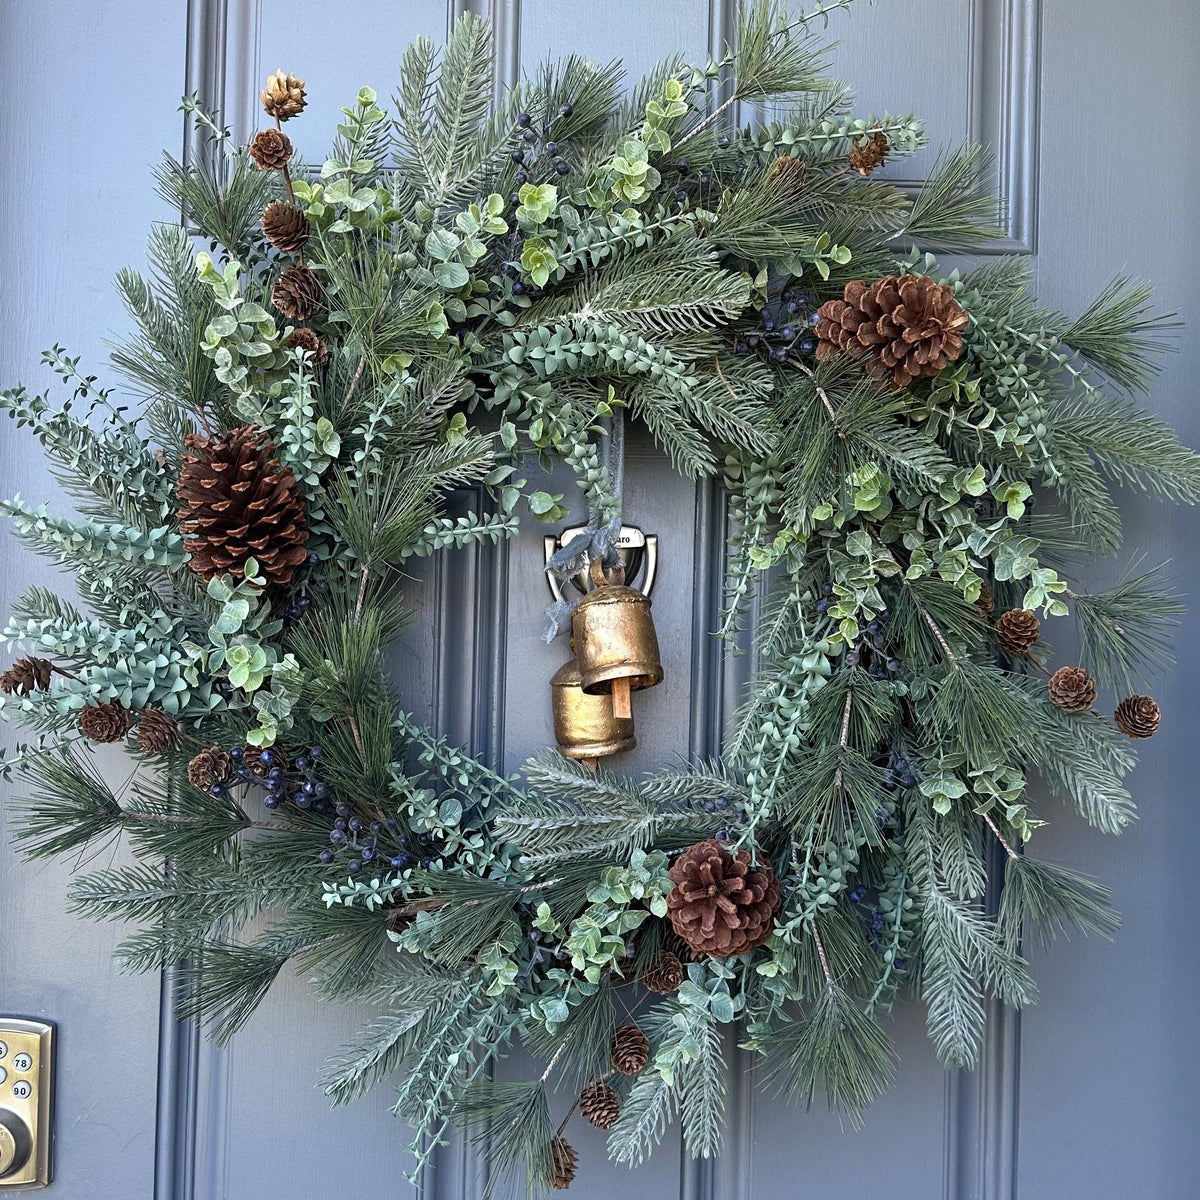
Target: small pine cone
point(868, 154)
point(909, 327)
point(789, 173)
point(663, 975)
point(599, 1104)
point(26, 675)
point(296, 293)
point(1072, 689)
point(211, 765)
point(285, 226)
point(1017, 631)
point(722, 904)
point(1137, 716)
point(283, 97)
point(156, 732)
point(565, 1158)
point(252, 760)
point(271, 150)
point(630, 1049)
point(238, 502)
point(307, 340)
point(986, 602)
point(105, 723)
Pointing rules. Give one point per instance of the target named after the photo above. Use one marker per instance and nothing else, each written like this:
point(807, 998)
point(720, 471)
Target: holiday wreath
point(457, 292)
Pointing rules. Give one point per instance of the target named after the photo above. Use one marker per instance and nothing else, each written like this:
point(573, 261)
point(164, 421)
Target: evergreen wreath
point(455, 293)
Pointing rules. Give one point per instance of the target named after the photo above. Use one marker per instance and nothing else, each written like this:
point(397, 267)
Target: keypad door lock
point(26, 1080)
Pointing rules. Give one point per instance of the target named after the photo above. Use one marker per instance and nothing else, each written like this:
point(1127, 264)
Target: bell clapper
point(622, 708)
point(590, 764)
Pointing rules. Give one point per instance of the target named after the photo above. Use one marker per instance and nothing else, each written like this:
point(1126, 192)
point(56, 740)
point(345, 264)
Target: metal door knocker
point(639, 557)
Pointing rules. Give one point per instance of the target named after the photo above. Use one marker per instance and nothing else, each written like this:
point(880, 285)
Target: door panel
point(1088, 1096)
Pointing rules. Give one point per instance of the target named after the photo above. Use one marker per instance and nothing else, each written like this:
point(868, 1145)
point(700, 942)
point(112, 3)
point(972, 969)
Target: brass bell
point(614, 639)
point(584, 726)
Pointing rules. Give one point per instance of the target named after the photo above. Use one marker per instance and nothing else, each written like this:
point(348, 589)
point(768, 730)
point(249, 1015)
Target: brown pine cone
point(156, 731)
point(252, 760)
point(664, 974)
point(238, 502)
point(271, 150)
point(1072, 689)
point(296, 293)
point(722, 905)
point(789, 173)
point(307, 340)
point(1137, 716)
point(285, 226)
point(283, 97)
point(565, 1158)
point(868, 154)
point(26, 675)
point(1017, 631)
point(105, 723)
point(630, 1049)
point(986, 602)
point(599, 1104)
point(211, 765)
point(910, 326)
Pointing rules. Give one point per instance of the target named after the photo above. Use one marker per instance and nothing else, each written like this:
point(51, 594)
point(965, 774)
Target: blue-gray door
point(1090, 107)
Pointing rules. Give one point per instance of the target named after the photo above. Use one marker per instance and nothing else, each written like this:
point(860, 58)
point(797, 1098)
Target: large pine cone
point(306, 340)
point(156, 732)
point(1137, 716)
point(1072, 689)
point(296, 293)
point(599, 1104)
point(630, 1049)
point(26, 675)
point(663, 975)
point(789, 173)
point(283, 97)
point(105, 722)
point(271, 150)
point(1017, 631)
point(285, 226)
point(211, 765)
point(722, 905)
point(910, 325)
point(564, 1157)
point(238, 503)
point(865, 156)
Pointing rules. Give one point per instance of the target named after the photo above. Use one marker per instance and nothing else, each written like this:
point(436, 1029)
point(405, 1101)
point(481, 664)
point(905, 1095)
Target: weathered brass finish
point(584, 726)
point(614, 637)
point(26, 1065)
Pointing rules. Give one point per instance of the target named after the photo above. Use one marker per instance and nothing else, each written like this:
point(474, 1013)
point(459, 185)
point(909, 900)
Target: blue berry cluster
point(722, 805)
point(268, 770)
point(870, 650)
point(539, 152)
point(305, 594)
point(785, 328)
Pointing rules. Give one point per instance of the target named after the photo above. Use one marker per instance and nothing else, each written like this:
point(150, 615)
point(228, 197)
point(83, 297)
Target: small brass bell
point(614, 639)
point(584, 726)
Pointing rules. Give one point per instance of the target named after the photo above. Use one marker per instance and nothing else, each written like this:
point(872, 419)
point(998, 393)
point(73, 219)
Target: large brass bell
point(614, 639)
point(584, 726)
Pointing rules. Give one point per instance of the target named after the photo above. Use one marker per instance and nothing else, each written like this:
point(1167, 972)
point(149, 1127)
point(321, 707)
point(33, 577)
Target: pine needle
point(1056, 900)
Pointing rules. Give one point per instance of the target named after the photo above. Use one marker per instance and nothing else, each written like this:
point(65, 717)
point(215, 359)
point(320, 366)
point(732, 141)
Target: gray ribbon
point(599, 540)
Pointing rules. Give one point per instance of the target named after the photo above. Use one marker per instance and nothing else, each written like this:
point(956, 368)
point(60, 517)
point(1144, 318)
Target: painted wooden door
point(1088, 1097)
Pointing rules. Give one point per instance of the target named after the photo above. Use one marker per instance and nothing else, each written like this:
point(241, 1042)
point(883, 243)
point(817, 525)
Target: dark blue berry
point(808, 345)
point(827, 589)
point(852, 658)
point(682, 166)
point(768, 325)
point(426, 863)
point(304, 603)
point(722, 835)
point(309, 788)
point(402, 861)
point(723, 143)
point(376, 827)
point(355, 824)
point(518, 156)
point(893, 665)
point(705, 178)
point(823, 607)
point(343, 809)
point(898, 964)
point(336, 836)
point(272, 801)
point(340, 823)
point(521, 177)
point(857, 893)
point(722, 801)
point(354, 865)
point(293, 611)
point(530, 135)
point(392, 823)
point(779, 354)
point(302, 763)
point(303, 801)
point(326, 856)
point(876, 921)
point(552, 148)
point(275, 775)
point(562, 168)
point(788, 332)
point(217, 789)
point(709, 806)
point(907, 779)
point(237, 754)
point(368, 852)
point(873, 626)
point(793, 307)
point(518, 288)
point(313, 558)
point(514, 198)
point(267, 758)
point(566, 110)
